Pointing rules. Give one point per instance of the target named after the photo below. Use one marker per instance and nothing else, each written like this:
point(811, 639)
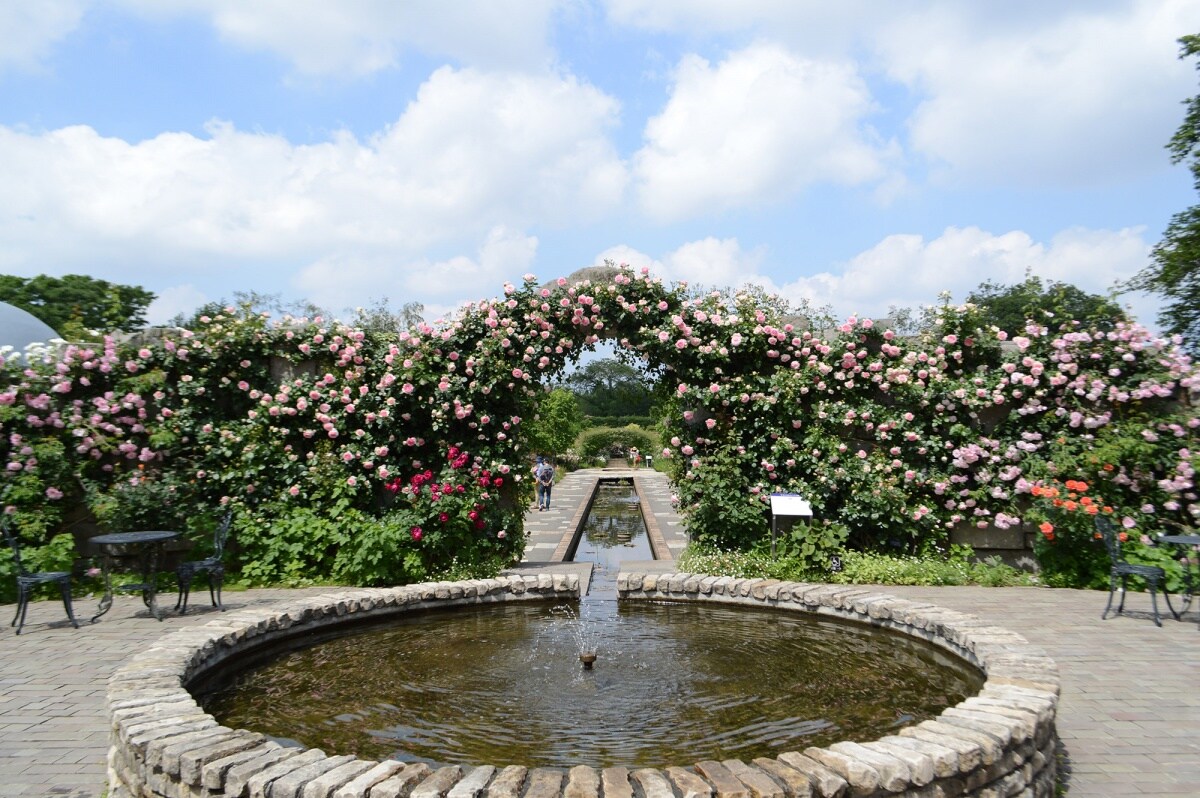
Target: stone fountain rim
point(164, 744)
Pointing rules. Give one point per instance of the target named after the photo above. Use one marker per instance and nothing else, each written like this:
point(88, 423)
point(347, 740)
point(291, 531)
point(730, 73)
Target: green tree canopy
point(75, 302)
point(608, 387)
point(1009, 307)
point(557, 423)
point(253, 303)
point(379, 317)
point(1175, 272)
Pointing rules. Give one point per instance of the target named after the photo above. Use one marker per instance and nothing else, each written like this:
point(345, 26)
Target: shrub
point(856, 567)
point(613, 442)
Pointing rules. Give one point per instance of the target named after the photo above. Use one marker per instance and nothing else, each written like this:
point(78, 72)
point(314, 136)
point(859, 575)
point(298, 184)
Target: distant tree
point(908, 321)
point(608, 387)
point(1010, 307)
point(557, 423)
point(250, 303)
point(380, 317)
point(1175, 272)
point(74, 303)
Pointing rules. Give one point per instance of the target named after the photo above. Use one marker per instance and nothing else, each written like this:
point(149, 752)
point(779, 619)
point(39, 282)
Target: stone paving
point(1129, 715)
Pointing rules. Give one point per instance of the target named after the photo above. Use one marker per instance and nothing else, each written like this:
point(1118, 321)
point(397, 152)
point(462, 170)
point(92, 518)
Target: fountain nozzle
point(587, 658)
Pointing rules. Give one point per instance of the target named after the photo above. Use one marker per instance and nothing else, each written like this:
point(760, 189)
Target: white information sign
point(789, 504)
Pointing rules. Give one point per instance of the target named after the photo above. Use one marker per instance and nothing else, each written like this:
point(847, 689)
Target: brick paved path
point(1129, 717)
point(53, 731)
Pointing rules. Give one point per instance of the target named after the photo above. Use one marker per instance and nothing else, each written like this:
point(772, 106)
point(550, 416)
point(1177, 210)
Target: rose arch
point(382, 458)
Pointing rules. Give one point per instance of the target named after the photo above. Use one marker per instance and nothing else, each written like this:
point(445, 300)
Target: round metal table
point(147, 547)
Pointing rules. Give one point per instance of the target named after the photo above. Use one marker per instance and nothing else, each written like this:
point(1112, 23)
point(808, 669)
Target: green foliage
point(952, 568)
point(1074, 558)
point(617, 421)
point(141, 501)
point(330, 440)
point(956, 569)
point(56, 555)
point(812, 546)
point(291, 546)
point(381, 319)
point(725, 513)
point(1012, 307)
point(37, 494)
point(608, 387)
point(557, 423)
point(699, 558)
point(613, 442)
point(74, 303)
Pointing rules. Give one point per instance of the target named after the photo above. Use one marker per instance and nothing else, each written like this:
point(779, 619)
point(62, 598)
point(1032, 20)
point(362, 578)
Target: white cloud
point(712, 262)
point(471, 153)
point(1081, 98)
point(757, 127)
point(524, 144)
point(909, 271)
point(786, 17)
point(707, 263)
point(30, 30)
point(338, 283)
point(362, 36)
point(1017, 93)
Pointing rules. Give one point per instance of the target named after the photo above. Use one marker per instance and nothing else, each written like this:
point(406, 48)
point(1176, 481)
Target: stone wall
point(999, 743)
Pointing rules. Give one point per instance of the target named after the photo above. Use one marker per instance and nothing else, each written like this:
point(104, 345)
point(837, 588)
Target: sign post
point(789, 505)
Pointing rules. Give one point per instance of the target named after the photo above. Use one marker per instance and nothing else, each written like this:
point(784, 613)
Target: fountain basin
point(1001, 740)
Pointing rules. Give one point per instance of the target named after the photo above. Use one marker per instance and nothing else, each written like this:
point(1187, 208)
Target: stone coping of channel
point(998, 743)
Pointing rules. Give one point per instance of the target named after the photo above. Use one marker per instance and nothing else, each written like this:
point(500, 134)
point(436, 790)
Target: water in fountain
point(503, 683)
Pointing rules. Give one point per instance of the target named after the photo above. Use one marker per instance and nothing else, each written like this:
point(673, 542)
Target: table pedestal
point(148, 547)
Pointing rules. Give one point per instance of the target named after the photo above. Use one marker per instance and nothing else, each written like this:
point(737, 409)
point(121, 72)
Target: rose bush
point(330, 440)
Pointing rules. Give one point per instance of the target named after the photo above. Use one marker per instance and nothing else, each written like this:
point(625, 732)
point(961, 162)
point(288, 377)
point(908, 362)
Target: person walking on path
point(635, 456)
point(545, 482)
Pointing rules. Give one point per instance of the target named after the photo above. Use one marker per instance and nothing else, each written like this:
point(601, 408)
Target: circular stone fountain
point(1000, 741)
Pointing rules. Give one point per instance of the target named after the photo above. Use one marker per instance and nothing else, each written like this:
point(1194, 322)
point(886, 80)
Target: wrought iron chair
point(1155, 577)
point(212, 566)
point(27, 581)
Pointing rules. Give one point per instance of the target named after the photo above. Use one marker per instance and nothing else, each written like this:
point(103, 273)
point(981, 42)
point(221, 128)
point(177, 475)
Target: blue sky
point(858, 155)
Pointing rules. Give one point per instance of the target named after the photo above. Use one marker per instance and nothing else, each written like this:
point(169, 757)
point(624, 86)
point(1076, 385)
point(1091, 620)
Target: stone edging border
point(1000, 742)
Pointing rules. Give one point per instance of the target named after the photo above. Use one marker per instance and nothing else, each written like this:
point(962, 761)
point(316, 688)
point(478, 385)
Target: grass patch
point(858, 567)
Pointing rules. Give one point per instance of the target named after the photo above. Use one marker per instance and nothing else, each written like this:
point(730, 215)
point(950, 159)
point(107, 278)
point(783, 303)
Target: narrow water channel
point(614, 533)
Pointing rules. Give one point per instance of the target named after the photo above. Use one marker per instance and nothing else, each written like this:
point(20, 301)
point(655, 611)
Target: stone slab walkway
point(548, 531)
point(1129, 717)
